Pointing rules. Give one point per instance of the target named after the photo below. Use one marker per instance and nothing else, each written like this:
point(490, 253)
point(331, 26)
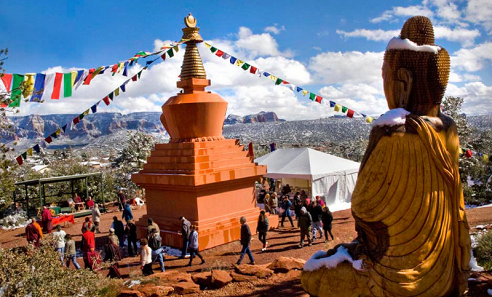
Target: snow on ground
point(340, 206)
point(319, 260)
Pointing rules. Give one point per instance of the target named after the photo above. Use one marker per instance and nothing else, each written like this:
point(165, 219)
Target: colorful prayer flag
point(134, 78)
point(468, 153)
point(350, 113)
point(7, 81)
point(117, 92)
point(57, 86)
point(233, 60)
point(64, 128)
point(344, 109)
point(81, 74)
point(305, 92)
point(111, 95)
point(106, 100)
point(298, 89)
point(76, 120)
point(28, 84)
point(67, 84)
point(207, 45)
point(253, 70)
point(219, 53)
point(115, 68)
point(318, 99)
point(213, 49)
point(37, 148)
point(312, 96)
point(337, 107)
point(38, 87)
point(16, 91)
point(170, 53)
point(89, 76)
point(245, 66)
point(176, 48)
point(29, 152)
point(19, 160)
point(239, 63)
point(48, 139)
point(163, 56)
point(225, 56)
point(74, 76)
point(368, 119)
point(332, 104)
point(266, 74)
point(123, 87)
point(125, 72)
point(94, 108)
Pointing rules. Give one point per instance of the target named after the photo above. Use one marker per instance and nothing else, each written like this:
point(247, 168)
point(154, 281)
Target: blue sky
point(332, 48)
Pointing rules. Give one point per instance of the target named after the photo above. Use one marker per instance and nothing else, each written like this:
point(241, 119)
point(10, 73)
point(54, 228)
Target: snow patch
point(473, 263)
point(340, 206)
point(392, 117)
point(318, 260)
point(406, 44)
point(131, 283)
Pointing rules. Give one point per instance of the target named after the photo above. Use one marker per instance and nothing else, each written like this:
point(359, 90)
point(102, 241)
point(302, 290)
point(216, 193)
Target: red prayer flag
point(7, 81)
point(163, 56)
point(350, 113)
point(19, 160)
point(57, 86)
point(115, 68)
point(253, 69)
point(76, 120)
point(106, 100)
point(318, 98)
point(468, 153)
point(134, 78)
point(48, 139)
point(219, 53)
point(89, 76)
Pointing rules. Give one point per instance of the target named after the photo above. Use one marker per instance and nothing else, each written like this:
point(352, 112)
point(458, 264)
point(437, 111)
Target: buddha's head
point(415, 70)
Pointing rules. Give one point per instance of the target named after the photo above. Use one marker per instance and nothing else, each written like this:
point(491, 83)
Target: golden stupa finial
point(192, 64)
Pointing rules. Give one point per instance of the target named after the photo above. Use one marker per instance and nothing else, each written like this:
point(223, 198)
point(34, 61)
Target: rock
point(202, 278)
point(256, 270)
point(186, 288)
point(130, 293)
point(172, 277)
point(220, 278)
point(243, 278)
point(284, 264)
point(156, 291)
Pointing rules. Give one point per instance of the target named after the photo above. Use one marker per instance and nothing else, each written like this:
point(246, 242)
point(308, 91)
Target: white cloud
point(477, 97)
point(389, 15)
point(464, 36)
point(473, 59)
point(275, 29)
point(480, 11)
point(353, 67)
point(375, 35)
point(258, 44)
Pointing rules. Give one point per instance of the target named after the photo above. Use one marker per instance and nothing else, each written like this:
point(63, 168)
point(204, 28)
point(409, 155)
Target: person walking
point(127, 213)
point(71, 252)
point(155, 244)
point(245, 241)
point(131, 232)
point(121, 199)
point(119, 230)
point(297, 210)
point(47, 219)
point(305, 222)
point(327, 218)
point(262, 229)
point(113, 255)
point(88, 246)
point(34, 233)
point(145, 257)
point(59, 241)
point(112, 238)
point(316, 213)
point(185, 234)
point(87, 224)
point(96, 217)
point(194, 245)
point(286, 204)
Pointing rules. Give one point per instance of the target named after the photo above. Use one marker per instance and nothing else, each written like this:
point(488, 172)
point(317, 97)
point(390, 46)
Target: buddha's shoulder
point(441, 123)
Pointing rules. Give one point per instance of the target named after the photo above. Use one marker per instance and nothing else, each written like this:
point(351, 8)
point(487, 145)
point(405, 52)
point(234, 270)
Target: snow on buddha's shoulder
point(392, 117)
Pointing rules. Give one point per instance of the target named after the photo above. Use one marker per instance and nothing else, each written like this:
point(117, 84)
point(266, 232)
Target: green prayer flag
point(139, 73)
point(170, 53)
point(213, 49)
point(54, 135)
point(278, 81)
point(81, 116)
point(111, 95)
point(24, 155)
point(245, 66)
point(344, 109)
point(67, 84)
point(16, 91)
point(312, 96)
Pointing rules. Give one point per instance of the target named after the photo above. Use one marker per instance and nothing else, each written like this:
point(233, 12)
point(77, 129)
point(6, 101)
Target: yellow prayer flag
point(337, 107)
point(28, 85)
point(99, 69)
point(368, 119)
point(74, 76)
point(58, 132)
point(273, 77)
point(305, 92)
point(121, 67)
point(460, 151)
point(239, 63)
point(86, 112)
point(486, 158)
point(207, 45)
point(176, 48)
point(29, 152)
point(117, 92)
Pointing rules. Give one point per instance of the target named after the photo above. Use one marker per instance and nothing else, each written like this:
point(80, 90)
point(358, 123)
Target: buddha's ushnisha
point(408, 203)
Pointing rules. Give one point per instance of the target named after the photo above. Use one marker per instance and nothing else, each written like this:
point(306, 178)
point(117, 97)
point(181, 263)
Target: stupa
point(199, 174)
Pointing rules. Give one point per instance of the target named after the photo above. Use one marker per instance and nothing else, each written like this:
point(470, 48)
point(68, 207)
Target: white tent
point(330, 177)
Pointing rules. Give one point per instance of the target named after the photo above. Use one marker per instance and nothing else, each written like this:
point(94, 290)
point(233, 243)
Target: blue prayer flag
point(125, 72)
point(233, 60)
point(123, 88)
point(36, 148)
point(266, 74)
point(37, 94)
point(332, 104)
point(298, 89)
point(94, 108)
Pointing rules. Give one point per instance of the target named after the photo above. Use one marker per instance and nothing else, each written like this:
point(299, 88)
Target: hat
point(111, 230)
point(303, 209)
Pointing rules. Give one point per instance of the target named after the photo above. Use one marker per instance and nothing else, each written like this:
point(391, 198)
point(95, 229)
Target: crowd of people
point(313, 218)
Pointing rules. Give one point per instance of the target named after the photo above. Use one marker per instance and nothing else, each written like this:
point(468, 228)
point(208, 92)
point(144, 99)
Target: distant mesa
point(261, 117)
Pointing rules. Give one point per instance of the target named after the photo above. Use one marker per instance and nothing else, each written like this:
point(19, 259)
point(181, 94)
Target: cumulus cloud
point(259, 44)
point(390, 15)
point(477, 97)
point(464, 36)
point(480, 11)
point(275, 29)
point(473, 59)
point(375, 35)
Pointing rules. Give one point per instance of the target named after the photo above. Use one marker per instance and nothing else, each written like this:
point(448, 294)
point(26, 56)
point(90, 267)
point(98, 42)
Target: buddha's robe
point(410, 217)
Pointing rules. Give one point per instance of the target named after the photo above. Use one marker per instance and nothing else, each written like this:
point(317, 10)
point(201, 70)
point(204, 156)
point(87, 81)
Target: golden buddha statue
point(413, 236)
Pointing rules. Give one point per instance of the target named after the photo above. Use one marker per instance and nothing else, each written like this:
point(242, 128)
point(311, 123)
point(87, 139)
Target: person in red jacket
point(88, 245)
point(47, 219)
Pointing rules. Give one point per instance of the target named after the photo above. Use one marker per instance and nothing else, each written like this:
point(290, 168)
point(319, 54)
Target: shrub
point(483, 251)
point(26, 271)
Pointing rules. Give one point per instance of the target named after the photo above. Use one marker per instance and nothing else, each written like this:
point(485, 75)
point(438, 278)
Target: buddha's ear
point(405, 80)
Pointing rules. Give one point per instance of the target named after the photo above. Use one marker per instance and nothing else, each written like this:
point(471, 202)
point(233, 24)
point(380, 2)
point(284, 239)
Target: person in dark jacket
point(297, 210)
point(155, 244)
point(194, 245)
point(131, 232)
point(262, 229)
point(127, 213)
point(316, 213)
point(121, 199)
point(113, 255)
point(245, 241)
point(185, 234)
point(305, 222)
point(119, 230)
point(286, 204)
point(327, 218)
